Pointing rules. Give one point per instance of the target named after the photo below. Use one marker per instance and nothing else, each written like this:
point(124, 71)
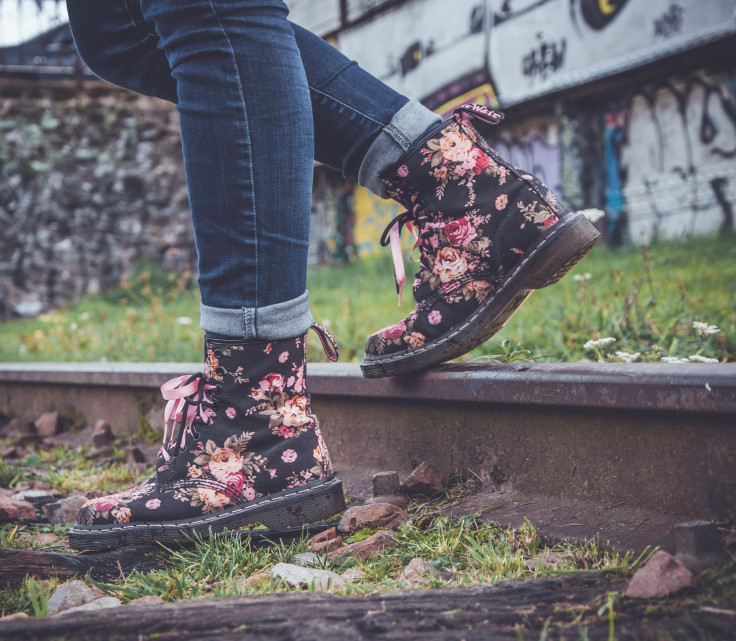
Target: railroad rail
point(659, 437)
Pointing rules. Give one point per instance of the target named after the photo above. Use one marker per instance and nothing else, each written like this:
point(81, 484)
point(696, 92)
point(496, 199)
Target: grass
point(645, 298)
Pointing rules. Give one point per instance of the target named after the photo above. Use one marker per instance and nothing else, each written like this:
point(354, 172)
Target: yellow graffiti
point(481, 95)
point(372, 214)
point(606, 7)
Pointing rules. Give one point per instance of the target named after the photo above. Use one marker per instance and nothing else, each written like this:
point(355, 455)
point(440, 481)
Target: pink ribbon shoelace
point(183, 406)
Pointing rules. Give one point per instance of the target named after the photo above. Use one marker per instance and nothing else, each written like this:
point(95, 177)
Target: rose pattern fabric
point(476, 215)
point(258, 437)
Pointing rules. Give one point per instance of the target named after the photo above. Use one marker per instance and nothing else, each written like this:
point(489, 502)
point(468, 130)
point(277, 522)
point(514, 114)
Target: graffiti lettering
point(544, 59)
point(669, 23)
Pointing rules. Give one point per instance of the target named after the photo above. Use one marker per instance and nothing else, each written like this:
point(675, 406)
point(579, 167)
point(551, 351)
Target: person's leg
point(247, 447)
point(361, 125)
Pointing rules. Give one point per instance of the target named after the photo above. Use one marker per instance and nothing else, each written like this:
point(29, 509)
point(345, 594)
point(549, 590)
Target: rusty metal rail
point(661, 437)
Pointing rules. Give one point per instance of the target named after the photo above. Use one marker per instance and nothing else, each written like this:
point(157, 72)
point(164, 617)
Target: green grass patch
point(647, 299)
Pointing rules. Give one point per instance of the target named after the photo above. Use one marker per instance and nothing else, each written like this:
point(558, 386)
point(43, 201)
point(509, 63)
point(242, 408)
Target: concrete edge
point(696, 387)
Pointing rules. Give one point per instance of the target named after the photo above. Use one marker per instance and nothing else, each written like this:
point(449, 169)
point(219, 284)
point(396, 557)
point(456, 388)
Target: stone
point(15, 617)
point(325, 535)
point(20, 429)
point(425, 479)
point(699, 545)
point(10, 451)
point(374, 544)
point(14, 510)
point(307, 559)
point(44, 538)
point(147, 600)
point(398, 500)
point(255, 581)
point(102, 437)
point(69, 595)
point(135, 454)
point(65, 510)
point(97, 604)
point(418, 572)
point(48, 424)
point(663, 574)
point(386, 484)
point(377, 516)
point(543, 560)
point(323, 547)
point(353, 574)
point(308, 578)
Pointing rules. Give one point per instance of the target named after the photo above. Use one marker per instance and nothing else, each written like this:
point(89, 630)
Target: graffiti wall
point(659, 158)
point(537, 47)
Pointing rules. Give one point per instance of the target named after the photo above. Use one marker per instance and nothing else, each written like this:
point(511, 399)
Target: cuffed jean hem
point(408, 123)
point(272, 322)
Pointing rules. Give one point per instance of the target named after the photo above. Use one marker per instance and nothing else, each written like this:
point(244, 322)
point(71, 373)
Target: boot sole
point(310, 503)
point(555, 253)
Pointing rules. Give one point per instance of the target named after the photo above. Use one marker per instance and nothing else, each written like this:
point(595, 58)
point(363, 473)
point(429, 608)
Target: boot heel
point(574, 238)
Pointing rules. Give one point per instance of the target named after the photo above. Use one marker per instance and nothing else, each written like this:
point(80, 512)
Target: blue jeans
point(259, 99)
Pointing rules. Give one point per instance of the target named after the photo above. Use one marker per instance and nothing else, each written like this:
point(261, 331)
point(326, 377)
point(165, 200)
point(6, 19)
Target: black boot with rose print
point(487, 234)
point(247, 450)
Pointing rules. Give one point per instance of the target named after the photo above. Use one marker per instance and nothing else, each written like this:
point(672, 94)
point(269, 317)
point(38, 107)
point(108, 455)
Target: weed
point(647, 299)
point(8, 474)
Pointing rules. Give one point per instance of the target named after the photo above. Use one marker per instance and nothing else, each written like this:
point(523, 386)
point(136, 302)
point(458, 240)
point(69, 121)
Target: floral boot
point(247, 450)
point(487, 234)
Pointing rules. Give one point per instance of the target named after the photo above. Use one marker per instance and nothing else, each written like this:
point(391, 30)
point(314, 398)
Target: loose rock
point(254, 581)
point(311, 578)
point(377, 516)
point(362, 550)
point(326, 535)
point(65, 510)
point(97, 604)
point(353, 574)
point(102, 437)
point(323, 547)
point(662, 575)
point(70, 595)
point(543, 560)
point(425, 479)
point(306, 559)
point(14, 510)
point(386, 484)
point(15, 617)
point(48, 424)
point(417, 572)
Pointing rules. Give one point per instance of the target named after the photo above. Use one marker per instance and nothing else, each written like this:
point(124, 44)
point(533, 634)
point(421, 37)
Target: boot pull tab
point(328, 343)
point(481, 112)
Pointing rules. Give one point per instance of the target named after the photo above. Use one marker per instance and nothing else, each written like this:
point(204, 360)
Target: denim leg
point(247, 136)
point(351, 109)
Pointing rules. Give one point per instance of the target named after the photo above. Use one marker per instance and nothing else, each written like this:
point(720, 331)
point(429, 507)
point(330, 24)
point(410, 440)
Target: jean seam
point(135, 23)
point(353, 109)
point(399, 136)
point(241, 93)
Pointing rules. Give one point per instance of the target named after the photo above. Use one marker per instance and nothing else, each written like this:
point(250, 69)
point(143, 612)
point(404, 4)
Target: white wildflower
point(625, 357)
point(84, 316)
point(703, 329)
point(592, 344)
point(73, 326)
point(582, 277)
point(674, 359)
point(697, 358)
point(593, 215)
point(183, 320)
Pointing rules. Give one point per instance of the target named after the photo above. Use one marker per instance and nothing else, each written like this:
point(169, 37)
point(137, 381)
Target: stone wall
point(90, 183)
